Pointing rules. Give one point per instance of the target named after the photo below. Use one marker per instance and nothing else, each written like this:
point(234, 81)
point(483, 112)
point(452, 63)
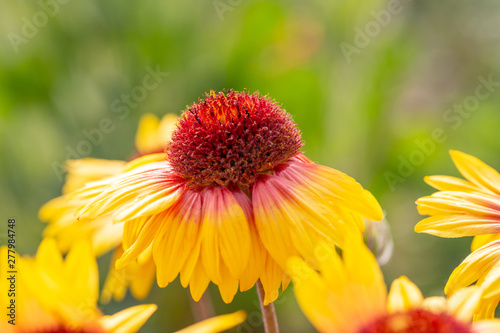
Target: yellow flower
point(468, 207)
point(483, 267)
point(53, 294)
point(463, 207)
point(347, 295)
point(152, 135)
point(217, 324)
point(231, 200)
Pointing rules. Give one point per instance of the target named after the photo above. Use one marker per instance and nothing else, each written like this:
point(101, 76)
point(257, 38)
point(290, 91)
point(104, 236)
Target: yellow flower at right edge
point(469, 207)
point(347, 295)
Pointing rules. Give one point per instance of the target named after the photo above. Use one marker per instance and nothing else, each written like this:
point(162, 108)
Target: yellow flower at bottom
point(60, 295)
point(347, 295)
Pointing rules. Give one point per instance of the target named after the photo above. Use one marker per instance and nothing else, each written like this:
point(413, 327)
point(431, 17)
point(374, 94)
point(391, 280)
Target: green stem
point(268, 313)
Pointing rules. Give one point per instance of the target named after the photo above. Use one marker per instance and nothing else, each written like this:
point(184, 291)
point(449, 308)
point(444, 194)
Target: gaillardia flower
point(231, 199)
point(468, 207)
point(53, 294)
point(347, 294)
point(463, 207)
point(482, 267)
point(152, 136)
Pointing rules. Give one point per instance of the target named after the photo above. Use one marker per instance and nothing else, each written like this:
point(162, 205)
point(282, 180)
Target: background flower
point(152, 136)
point(348, 295)
point(56, 294)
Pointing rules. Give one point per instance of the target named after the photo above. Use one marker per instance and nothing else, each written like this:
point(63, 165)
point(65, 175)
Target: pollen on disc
point(230, 137)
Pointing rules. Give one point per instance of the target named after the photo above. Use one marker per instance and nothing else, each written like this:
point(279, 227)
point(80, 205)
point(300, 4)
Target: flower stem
point(268, 313)
point(203, 309)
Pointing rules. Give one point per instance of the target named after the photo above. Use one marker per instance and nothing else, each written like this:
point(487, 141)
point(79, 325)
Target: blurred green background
point(368, 82)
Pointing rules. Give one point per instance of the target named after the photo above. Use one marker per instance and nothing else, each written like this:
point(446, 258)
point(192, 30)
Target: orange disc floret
point(230, 137)
point(416, 321)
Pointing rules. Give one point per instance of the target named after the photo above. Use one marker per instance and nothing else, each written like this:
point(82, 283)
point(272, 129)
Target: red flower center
point(416, 321)
point(230, 137)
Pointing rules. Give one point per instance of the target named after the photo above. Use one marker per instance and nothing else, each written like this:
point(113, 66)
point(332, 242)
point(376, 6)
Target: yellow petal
point(53, 209)
point(490, 286)
point(143, 241)
point(49, 257)
point(199, 282)
point(106, 237)
point(150, 203)
point(115, 285)
point(144, 161)
point(435, 304)
point(133, 192)
point(177, 236)
point(228, 285)
point(81, 269)
point(366, 276)
point(128, 320)
point(192, 261)
point(328, 312)
point(486, 326)
point(474, 266)
point(458, 225)
point(225, 233)
point(256, 263)
point(142, 279)
point(292, 220)
point(448, 183)
point(336, 186)
point(481, 240)
point(89, 169)
point(167, 126)
point(486, 309)
point(446, 202)
point(403, 295)
point(217, 324)
point(271, 279)
point(464, 302)
point(146, 137)
point(476, 171)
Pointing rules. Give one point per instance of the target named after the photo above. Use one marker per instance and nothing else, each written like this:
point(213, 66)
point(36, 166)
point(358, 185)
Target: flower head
point(60, 295)
point(231, 200)
point(232, 138)
point(347, 294)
